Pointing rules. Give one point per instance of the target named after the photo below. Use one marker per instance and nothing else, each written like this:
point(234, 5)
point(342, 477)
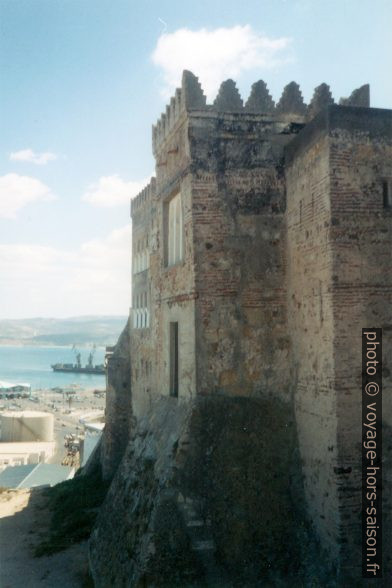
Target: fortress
point(233, 420)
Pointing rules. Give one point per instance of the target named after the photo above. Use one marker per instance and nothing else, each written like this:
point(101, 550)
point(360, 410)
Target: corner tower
point(224, 162)
point(339, 232)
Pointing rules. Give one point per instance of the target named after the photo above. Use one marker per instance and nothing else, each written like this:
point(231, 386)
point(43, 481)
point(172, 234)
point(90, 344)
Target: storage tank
point(26, 426)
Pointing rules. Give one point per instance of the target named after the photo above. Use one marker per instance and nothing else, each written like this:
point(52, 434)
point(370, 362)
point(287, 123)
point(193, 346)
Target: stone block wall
point(118, 413)
point(361, 241)
point(175, 284)
point(142, 351)
point(310, 320)
point(283, 219)
point(238, 202)
point(339, 269)
point(204, 496)
point(171, 288)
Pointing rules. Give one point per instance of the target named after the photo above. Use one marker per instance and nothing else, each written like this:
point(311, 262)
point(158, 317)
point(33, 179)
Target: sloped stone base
point(207, 494)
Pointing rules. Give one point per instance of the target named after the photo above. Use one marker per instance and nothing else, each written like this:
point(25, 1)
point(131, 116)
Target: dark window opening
point(174, 359)
point(387, 193)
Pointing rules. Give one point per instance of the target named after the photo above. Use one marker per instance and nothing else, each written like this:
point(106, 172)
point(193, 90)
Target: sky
point(81, 83)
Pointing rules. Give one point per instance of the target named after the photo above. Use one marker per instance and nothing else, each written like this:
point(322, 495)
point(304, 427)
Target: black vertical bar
point(174, 359)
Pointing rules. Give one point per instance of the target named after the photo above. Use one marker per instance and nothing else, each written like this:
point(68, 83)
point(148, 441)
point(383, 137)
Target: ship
point(78, 368)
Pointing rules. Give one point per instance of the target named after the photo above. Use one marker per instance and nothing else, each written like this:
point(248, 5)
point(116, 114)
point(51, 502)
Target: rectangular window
point(387, 193)
point(141, 314)
point(174, 359)
point(141, 256)
point(174, 231)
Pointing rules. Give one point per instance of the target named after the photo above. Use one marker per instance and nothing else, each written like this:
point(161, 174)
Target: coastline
point(32, 343)
point(32, 364)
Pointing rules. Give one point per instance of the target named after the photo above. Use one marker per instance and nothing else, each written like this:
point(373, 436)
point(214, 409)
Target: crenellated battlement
point(259, 250)
point(143, 197)
point(191, 97)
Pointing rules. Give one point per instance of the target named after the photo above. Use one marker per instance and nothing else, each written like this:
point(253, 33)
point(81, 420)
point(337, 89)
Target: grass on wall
point(74, 506)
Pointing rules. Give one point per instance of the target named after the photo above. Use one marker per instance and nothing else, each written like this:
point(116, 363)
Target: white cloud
point(112, 191)
point(29, 156)
point(92, 279)
point(215, 55)
point(17, 191)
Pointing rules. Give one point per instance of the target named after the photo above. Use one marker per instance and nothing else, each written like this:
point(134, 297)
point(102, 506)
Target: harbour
point(29, 385)
point(32, 364)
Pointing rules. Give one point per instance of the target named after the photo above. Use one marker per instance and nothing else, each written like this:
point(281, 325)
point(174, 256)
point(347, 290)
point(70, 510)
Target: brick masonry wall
point(339, 268)
point(142, 353)
point(238, 202)
point(310, 319)
point(361, 239)
point(278, 269)
point(171, 289)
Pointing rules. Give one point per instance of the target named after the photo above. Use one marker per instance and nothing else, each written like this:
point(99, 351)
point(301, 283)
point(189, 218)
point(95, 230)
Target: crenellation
point(191, 98)
point(322, 98)
point(291, 101)
point(177, 99)
point(164, 126)
point(159, 130)
point(167, 121)
point(154, 136)
point(144, 197)
point(260, 100)
point(228, 98)
point(173, 112)
point(359, 97)
point(259, 251)
point(168, 116)
point(192, 93)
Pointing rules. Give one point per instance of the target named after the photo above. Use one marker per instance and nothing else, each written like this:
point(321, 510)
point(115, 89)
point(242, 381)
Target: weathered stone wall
point(361, 240)
point(310, 315)
point(228, 294)
point(118, 413)
point(142, 351)
point(280, 237)
point(205, 496)
point(175, 287)
point(171, 288)
point(238, 200)
point(339, 280)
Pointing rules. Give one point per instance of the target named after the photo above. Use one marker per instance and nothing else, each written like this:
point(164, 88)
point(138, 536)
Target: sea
point(31, 365)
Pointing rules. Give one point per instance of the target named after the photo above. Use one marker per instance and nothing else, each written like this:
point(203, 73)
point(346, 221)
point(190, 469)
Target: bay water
point(32, 365)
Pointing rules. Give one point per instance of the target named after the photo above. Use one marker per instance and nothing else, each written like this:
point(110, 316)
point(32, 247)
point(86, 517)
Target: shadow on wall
point(118, 413)
point(207, 493)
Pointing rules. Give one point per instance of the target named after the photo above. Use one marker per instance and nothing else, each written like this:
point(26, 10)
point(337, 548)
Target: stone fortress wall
point(285, 254)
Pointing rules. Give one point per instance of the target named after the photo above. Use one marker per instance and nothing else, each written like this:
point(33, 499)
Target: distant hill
point(83, 330)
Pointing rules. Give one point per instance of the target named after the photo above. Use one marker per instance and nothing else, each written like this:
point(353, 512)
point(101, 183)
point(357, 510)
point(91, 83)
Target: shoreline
point(29, 343)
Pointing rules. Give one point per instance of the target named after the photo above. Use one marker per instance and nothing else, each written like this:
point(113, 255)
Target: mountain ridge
point(83, 330)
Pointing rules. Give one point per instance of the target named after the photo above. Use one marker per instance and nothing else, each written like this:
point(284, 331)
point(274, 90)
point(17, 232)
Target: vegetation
point(86, 580)
point(74, 506)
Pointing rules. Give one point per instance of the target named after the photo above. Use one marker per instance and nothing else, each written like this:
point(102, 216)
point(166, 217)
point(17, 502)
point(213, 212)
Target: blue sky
point(82, 81)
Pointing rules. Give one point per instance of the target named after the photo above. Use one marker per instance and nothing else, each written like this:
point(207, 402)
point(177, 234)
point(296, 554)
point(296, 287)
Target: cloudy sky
point(83, 80)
